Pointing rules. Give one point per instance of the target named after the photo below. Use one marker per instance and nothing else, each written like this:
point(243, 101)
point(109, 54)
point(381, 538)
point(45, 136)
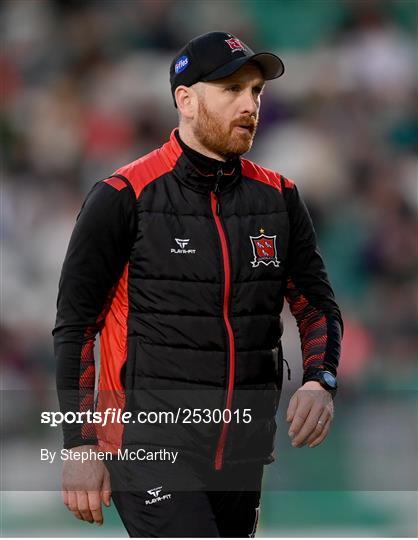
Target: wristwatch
point(327, 380)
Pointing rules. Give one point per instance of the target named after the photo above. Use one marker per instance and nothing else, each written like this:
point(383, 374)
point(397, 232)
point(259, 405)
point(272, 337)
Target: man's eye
point(234, 88)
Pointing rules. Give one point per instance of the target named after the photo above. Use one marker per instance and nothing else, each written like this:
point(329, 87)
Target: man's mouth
point(244, 128)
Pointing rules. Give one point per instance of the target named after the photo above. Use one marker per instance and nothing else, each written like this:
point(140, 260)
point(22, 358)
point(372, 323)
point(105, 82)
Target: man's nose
point(249, 104)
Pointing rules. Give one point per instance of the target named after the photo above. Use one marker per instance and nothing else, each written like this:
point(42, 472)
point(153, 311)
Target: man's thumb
point(106, 491)
point(292, 408)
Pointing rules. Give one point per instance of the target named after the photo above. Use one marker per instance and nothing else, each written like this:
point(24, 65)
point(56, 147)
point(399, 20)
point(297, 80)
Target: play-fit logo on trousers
point(155, 492)
point(183, 242)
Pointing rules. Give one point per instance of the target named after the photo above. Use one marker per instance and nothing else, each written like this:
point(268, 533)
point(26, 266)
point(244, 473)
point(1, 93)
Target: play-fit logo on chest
point(183, 242)
point(155, 492)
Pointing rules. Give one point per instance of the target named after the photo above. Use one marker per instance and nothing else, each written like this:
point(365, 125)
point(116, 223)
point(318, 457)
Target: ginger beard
point(226, 141)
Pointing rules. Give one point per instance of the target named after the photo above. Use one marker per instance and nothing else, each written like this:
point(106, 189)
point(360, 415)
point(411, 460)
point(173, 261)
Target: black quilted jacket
point(184, 275)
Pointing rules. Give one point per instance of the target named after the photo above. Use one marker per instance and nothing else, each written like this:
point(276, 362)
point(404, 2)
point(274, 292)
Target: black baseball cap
point(216, 55)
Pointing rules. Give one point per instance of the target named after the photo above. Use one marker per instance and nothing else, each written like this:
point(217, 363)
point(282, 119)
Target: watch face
point(330, 379)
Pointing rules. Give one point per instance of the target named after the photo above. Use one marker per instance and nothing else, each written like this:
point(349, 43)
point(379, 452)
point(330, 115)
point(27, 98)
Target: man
point(182, 260)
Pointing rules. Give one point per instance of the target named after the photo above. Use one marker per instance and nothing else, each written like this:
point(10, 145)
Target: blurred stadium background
point(85, 89)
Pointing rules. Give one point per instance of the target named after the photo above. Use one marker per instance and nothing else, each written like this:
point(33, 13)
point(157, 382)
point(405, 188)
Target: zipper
point(277, 361)
point(288, 368)
point(216, 210)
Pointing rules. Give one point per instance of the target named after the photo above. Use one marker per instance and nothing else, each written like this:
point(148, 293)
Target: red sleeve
point(309, 292)
point(98, 251)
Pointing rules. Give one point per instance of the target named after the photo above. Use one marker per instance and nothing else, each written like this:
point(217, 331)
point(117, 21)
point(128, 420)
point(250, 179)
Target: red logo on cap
point(235, 44)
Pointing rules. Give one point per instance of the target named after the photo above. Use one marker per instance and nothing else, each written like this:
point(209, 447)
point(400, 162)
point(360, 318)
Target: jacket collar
point(204, 182)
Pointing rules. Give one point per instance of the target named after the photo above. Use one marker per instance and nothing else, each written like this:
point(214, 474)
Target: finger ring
point(320, 422)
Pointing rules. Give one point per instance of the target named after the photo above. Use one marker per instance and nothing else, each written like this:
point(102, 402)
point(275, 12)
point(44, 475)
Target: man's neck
point(188, 138)
point(205, 164)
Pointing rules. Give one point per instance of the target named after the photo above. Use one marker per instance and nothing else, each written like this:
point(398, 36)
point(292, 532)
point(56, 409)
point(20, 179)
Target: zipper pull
point(288, 369)
point(219, 175)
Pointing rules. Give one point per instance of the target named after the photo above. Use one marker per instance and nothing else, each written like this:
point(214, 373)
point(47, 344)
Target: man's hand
point(85, 486)
point(310, 412)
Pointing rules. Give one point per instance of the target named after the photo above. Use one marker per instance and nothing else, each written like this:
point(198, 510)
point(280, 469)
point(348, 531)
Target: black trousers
point(186, 499)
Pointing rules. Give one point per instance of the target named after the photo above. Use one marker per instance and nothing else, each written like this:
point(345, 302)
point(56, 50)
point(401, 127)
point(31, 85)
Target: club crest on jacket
point(264, 250)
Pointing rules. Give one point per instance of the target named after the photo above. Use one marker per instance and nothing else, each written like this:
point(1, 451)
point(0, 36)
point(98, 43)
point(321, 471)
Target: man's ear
point(186, 100)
